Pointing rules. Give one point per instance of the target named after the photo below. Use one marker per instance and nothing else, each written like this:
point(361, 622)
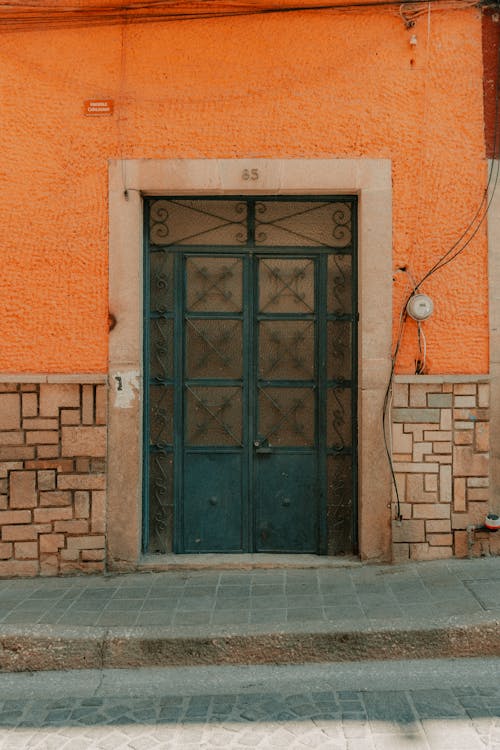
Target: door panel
point(212, 502)
point(286, 502)
point(213, 416)
point(286, 349)
point(286, 417)
point(286, 285)
point(214, 348)
point(214, 284)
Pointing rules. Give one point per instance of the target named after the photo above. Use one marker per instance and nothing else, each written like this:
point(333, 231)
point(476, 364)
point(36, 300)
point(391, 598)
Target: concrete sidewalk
point(257, 616)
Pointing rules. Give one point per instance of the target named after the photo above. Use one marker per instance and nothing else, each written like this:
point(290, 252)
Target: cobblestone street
point(264, 707)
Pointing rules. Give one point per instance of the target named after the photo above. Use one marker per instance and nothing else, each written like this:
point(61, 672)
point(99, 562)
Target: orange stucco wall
point(316, 84)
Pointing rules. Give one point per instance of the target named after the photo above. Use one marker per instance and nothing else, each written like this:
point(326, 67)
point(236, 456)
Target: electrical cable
point(485, 200)
point(422, 348)
point(444, 260)
point(385, 409)
point(28, 16)
point(403, 315)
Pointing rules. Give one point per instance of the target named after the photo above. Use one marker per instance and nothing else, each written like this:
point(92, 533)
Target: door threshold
point(261, 560)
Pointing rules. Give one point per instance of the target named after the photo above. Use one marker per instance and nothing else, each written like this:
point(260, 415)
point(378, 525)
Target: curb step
point(43, 648)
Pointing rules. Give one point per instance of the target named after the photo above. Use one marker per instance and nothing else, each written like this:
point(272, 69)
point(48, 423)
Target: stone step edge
point(29, 651)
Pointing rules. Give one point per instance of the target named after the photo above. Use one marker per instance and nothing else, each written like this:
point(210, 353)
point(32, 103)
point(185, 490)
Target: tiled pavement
point(258, 616)
point(433, 706)
point(359, 597)
point(331, 720)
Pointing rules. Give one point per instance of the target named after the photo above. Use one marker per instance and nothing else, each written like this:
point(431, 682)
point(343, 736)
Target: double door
point(250, 400)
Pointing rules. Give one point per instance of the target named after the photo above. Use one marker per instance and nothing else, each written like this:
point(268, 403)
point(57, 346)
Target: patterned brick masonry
point(440, 444)
point(52, 478)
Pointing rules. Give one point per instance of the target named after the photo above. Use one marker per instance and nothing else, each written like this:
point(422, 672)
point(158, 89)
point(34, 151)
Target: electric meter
point(420, 307)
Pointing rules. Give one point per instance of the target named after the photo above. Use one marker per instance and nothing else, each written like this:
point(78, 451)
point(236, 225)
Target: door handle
point(262, 446)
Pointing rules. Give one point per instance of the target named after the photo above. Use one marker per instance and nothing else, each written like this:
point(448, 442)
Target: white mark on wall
point(126, 388)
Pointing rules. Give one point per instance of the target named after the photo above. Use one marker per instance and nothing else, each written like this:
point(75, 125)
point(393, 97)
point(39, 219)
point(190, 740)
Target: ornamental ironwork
point(250, 374)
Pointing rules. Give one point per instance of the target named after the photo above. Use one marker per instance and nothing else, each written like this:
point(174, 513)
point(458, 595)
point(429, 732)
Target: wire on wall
point(386, 408)
point(23, 16)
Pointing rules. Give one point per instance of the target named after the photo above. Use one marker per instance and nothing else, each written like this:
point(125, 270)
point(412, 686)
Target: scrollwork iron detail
point(341, 218)
point(288, 348)
point(161, 269)
point(287, 280)
point(217, 287)
point(337, 419)
point(213, 346)
point(161, 349)
point(158, 229)
point(339, 356)
point(191, 222)
point(303, 223)
point(161, 415)
point(287, 418)
point(162, 282)
point(340, 504)
point(215, 419)
point(160, 502)
point(339, 282)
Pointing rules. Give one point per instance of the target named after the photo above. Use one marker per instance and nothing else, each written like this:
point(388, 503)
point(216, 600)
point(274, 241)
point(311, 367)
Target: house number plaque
point(250, 174)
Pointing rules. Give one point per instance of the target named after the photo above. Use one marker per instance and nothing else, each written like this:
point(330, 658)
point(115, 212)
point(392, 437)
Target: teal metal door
point(250, 404)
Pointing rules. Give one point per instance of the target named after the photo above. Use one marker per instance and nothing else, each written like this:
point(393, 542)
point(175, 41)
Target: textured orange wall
point(311, 85)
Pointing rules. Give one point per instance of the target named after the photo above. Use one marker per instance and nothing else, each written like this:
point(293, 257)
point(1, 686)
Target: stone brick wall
point(52, 477)
point(440, 446)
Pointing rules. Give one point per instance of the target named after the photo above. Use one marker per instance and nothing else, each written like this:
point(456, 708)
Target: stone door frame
point(129, 180)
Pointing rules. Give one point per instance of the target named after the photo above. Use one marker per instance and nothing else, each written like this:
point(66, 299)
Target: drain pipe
point(470, 536)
